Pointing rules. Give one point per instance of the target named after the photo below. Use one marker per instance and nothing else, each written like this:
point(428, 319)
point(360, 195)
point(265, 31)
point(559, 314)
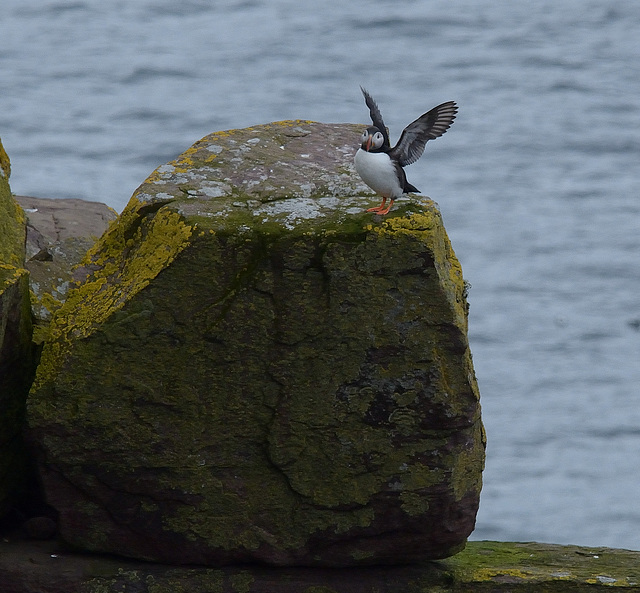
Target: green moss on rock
point(255, 369)
point(540, 567)
point(12, 222)
point(126, 258)
point(5, 163)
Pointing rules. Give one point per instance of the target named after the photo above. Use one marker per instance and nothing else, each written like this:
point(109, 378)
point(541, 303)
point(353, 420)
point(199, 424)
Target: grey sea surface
point(538, 181)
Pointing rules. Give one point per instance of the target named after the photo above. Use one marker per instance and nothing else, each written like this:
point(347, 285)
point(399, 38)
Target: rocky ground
point(491, 567)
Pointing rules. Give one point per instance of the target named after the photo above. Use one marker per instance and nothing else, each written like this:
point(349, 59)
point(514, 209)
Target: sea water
point(538, 181)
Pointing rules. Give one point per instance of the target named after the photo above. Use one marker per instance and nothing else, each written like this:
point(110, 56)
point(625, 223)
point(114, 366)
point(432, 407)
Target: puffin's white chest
point(378, 172)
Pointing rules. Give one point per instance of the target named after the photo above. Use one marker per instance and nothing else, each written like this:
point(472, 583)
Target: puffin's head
point(372, 139)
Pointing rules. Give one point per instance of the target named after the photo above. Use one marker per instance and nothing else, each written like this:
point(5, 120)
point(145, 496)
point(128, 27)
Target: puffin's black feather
point(376, 118)
point(402, 178)
point(428, 126)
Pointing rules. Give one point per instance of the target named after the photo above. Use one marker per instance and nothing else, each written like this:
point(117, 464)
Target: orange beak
point(367, 146)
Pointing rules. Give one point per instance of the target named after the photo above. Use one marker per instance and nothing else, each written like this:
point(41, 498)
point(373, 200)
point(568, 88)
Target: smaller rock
point(42, 255)
point(56, 220)
point(59, 233)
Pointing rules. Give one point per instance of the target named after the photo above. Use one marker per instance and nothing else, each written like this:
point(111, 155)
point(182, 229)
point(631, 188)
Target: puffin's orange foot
point(383, 211)
point(378, 208)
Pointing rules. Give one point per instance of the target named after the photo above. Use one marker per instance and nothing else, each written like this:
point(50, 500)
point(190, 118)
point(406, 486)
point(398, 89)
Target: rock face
point(59, 233)
point(16, 359)
point(255, 370)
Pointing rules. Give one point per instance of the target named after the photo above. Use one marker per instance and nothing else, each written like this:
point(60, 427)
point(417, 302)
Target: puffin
point(380, 166)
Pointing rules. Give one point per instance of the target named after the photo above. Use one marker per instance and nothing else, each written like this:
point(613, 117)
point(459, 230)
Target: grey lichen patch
point(281, 160)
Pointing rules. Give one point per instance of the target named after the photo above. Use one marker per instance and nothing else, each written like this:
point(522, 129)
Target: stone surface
point(491, 567)
point(59, 233)
point(16, 373)
point(16, 354)
point(12, 221)
point(257, 370)
point(53, 236)
point(5, 163)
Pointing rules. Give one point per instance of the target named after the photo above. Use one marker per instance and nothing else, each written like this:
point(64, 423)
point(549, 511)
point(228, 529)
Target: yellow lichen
point(49, 302)
point(184, 165)
point(426, 227)
point(12, 227)
point(490, 574)
point(5, 163)
point(128, 256)
point(290, 123)
point(9, 274)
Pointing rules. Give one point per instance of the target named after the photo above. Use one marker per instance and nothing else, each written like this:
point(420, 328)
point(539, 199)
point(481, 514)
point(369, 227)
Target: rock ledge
point(492, 567)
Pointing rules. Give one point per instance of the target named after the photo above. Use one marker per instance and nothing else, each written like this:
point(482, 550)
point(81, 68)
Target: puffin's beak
point(367, 146)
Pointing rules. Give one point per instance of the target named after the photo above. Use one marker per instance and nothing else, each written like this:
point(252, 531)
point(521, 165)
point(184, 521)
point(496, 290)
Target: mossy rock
point(5, 163)
point(483, 567)
point(257, 370)
point(16, 353)
point(12, 220)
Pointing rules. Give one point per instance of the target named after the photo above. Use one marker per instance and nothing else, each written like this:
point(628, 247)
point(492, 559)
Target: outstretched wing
point(376, 117)
point(429, 126)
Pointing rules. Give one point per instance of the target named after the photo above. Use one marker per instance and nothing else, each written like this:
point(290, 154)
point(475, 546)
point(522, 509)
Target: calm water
point(538, 182)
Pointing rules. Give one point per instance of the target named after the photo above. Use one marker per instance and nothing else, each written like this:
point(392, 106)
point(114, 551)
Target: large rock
point(256, 370)
point(16, 354)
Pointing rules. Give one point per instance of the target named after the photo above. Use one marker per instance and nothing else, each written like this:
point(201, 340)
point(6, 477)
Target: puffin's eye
point(365, 135)
point(377, 137)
